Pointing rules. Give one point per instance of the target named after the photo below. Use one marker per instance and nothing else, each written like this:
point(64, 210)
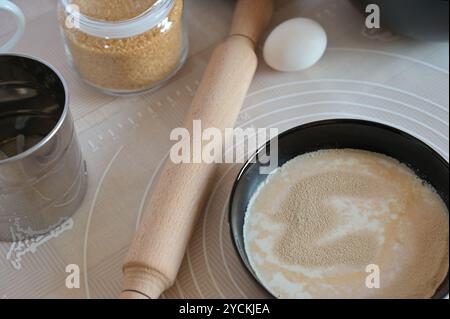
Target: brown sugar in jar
point(124, 47)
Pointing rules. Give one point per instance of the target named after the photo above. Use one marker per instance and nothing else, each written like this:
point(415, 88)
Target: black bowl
point(338, 134)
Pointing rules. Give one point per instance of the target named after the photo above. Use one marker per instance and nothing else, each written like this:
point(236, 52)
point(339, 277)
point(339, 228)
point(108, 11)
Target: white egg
point(295, 45)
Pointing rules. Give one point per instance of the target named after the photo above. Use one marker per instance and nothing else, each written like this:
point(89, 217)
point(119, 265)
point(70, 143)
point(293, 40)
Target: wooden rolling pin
point(158, 249)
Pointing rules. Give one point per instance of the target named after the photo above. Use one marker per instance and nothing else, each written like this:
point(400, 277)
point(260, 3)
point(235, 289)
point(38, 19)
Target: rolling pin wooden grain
point(158, 249)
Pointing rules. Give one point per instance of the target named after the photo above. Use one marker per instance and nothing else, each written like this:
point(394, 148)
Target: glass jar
point(124, 46)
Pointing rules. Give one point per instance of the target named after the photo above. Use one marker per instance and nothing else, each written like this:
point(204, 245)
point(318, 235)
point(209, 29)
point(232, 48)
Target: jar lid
point(144, 22)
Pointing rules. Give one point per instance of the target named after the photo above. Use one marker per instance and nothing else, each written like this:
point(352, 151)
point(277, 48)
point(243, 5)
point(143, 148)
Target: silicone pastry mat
point(374, 76)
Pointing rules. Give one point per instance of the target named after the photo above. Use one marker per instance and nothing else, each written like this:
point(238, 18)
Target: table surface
point(375, 76)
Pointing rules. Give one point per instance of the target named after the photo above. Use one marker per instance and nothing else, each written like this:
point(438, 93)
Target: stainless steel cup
point(43, 176)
